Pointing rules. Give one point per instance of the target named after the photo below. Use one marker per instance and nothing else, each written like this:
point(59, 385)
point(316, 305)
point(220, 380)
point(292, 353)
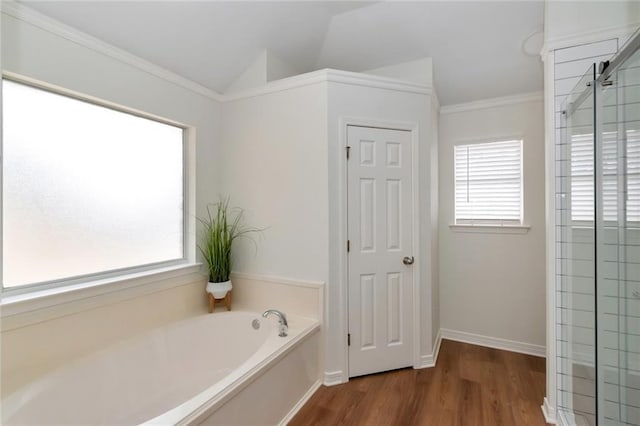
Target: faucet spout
point(282, 319)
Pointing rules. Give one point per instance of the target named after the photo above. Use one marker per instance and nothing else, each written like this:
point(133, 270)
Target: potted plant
point(221, 228)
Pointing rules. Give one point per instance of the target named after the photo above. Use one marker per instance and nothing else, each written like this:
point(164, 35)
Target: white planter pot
point(219, 290)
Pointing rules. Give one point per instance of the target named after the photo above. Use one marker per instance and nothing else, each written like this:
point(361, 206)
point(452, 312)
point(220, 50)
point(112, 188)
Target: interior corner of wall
point(418, 71)
point(254, 75)
point(277, 68)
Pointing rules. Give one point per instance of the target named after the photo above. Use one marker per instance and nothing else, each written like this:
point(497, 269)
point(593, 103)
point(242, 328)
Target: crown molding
point(377, 82)
point(295, 81)
point(32, 17)
point(492, 103)
point(587, 37)
point(331, 76)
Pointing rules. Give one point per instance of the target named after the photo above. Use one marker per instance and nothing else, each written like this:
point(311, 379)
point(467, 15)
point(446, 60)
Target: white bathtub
point(201, 370)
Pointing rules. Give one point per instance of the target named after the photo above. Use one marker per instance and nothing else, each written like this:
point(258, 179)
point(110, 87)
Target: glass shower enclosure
point(598, 246)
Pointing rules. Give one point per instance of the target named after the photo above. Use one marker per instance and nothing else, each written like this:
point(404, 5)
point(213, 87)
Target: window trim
point(498, 225)
point(63, 285)
point(490, 229)
point(19, 310)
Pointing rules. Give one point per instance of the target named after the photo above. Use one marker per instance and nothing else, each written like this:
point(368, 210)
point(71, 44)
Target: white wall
point(494, 284)
point(30, 348)
point(275, 167)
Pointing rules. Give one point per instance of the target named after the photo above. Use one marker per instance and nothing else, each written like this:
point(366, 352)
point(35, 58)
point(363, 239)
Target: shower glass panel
point(618, 230)
point(598, 246)
point(575, 239)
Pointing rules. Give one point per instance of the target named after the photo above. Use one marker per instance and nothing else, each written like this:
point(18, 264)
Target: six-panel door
point(380, 236)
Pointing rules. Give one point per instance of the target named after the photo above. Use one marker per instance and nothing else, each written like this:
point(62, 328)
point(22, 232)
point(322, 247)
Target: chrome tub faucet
point(282, 319)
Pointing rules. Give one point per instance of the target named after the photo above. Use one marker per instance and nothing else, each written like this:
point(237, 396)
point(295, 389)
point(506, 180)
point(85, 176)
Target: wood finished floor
point(470, 385)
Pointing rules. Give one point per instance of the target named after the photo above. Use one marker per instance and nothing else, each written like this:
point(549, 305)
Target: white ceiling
point(475, 46)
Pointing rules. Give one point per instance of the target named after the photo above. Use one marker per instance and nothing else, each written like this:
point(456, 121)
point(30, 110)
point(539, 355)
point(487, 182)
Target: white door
point(380, 250)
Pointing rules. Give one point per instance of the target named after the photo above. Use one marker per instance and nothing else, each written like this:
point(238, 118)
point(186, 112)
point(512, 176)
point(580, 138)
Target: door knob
point(408, 260)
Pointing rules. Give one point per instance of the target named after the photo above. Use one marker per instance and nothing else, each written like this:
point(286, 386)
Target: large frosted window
point(86, 189)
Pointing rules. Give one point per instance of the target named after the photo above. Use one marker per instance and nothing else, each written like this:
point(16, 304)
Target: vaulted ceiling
point(476, 46)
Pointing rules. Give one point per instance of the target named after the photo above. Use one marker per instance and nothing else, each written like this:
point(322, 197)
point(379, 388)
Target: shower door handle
point(408, 260)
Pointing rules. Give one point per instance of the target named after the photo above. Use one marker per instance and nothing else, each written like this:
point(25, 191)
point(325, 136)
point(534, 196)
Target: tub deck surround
point(174, 374)
point(257, 293)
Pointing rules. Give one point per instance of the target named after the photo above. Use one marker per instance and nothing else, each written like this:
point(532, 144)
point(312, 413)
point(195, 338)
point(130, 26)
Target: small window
point(488, 183)
point(86, 190)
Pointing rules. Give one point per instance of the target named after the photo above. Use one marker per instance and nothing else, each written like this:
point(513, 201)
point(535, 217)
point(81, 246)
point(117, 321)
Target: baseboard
point(562, 420)
point(332, 378)
point(494, 342)
point(300, 403)
point(548, 412)
point(428, 361)
point(436, 349)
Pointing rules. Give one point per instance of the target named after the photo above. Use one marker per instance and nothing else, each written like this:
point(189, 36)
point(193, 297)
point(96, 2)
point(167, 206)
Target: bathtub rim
point(200, 407)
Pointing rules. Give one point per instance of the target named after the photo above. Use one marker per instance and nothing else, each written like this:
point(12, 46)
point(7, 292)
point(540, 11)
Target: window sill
point(55, 302)
point(491, 229)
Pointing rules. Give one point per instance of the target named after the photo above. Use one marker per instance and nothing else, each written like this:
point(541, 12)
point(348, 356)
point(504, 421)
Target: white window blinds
point(582, 189)
point(582, 177)
point(633, 175)
point(488, 183)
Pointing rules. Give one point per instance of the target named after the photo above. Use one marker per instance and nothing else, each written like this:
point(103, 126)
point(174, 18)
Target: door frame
point(343, 303)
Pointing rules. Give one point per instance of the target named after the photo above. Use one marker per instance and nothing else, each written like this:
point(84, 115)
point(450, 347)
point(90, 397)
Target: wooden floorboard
point(470, 385)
